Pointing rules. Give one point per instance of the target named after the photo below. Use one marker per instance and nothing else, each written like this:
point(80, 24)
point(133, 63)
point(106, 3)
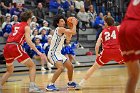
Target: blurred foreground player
point(111, 48)
point(129, 38)
point(13, 50)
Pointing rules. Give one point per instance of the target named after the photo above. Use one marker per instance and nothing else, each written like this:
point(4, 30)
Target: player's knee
point(70, 68)
point(61, 68)
point(31, 65)
point(10, 70)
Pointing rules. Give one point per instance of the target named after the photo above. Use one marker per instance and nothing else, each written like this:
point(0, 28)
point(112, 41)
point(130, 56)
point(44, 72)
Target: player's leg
point(8, 54)
point(10, 69)
point(95, 67)
point(102, 59)
point(70, 69)
point(133, 75)
point(60, 68)
point(32, 74)
point(36, 57)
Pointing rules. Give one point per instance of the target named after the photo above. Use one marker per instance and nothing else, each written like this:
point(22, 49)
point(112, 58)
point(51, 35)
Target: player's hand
point(74, 21)
point(41, 55)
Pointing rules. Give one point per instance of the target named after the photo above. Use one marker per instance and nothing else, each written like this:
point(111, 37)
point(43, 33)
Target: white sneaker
point(49, 65)
point(35, 89)
point(43, 69)
point(77, 63)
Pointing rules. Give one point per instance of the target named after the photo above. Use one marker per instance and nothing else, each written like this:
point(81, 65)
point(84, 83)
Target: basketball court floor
point(108, 79)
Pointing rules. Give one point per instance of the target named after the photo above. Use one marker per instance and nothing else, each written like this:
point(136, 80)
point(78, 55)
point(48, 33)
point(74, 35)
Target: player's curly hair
point(26, 15)
point(56, 20)
point(109, 20)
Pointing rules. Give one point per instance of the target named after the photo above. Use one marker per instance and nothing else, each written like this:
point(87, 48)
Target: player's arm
point(98, 44)
point(29, 41)
point(71, 31)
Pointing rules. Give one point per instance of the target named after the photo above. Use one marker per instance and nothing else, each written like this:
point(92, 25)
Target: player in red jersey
point(129, 38)
point(13, 50)
point(111, 48)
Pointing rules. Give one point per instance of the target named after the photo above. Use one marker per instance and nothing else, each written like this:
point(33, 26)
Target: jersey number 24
point(109, 35)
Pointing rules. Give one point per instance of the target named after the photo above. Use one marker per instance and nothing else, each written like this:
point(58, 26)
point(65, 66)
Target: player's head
point(59, 21)
point(109, 21)
point(26, 16)
point(37, 41)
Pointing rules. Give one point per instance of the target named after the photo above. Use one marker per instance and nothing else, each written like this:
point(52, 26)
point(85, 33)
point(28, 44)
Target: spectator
point(83, 17)
point(34, 34)
point(92, 15)
point(65, 5)
point(87, 3)
point(78, 5)
point(53, 7)
point(1, 21)
point(15, 20)
point(43, 36)
point(109, 14)
point(46, 26)
point(71, 12)
point(37, 57)
point(98, 24)
point(39, 12)
point(34, 19)
point(6, 6)
point(47, 45)
point(33, 26)
point(6, 26)
point(17, 10)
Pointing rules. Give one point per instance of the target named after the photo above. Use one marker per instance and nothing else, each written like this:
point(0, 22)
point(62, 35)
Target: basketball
point(69, 22)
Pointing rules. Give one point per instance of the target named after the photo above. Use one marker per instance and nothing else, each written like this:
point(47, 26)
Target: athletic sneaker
point(35, 89)
point(72, 85)
point(78, 87)
point(77, 63)
point(49, 65)
point(52, 87)
point(43, 69)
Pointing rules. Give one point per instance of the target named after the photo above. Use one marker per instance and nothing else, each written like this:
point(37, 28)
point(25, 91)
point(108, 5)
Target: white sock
point(70, 82)
point(51, 84)
point(82, 82)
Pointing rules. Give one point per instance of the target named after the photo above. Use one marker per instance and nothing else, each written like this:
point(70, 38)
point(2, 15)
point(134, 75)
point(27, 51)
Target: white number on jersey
point(136, 2)
point(15, 31)
point(109, 35)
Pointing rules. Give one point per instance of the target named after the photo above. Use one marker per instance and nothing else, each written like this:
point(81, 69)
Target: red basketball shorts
point(14, 52)
point(129, 38)
point(109, 54)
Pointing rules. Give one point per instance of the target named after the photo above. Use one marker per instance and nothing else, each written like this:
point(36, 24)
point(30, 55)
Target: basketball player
point(111, 48)
point(54, 53)
point(129, 38)
point(13, 50)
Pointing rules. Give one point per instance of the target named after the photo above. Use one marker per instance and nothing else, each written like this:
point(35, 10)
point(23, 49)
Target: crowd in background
point(86, 11)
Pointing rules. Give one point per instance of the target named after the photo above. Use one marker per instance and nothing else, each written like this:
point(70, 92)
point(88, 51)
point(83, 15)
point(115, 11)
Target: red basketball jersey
point(110, 37)
point(133, 11)
point(18, 33)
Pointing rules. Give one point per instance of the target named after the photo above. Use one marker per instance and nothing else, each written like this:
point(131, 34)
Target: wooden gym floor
point(108, 79)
